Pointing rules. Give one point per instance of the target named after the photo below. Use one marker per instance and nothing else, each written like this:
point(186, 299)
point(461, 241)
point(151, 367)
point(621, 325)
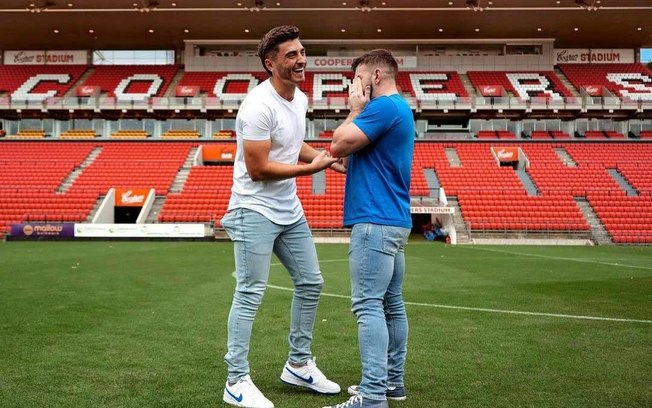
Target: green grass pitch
point(143, 324)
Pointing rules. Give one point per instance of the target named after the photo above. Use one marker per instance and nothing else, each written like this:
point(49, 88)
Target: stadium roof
point(126, 24)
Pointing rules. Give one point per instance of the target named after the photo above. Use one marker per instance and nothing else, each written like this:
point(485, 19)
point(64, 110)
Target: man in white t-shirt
point(265, 216)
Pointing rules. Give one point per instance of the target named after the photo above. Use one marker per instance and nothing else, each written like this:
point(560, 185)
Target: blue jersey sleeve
point(375, 119)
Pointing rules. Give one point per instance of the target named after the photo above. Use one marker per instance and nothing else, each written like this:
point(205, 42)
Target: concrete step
point(152, 217)
point(527, 182)
point(565, 157)
point(598, 232)
point(452, 156)
point(566, 82)
point(72, 92)
point(463, 233)
point(69, 181)
point(622, 182)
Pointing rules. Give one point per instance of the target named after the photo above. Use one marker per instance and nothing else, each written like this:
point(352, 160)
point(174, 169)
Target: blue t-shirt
point(378, 176)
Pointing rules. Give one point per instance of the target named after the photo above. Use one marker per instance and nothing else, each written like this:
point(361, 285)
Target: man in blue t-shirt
point(377, 139)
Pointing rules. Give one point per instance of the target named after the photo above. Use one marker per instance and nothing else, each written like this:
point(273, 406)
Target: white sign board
point(344, 63)
point(593, 56)
point(24, 57)
point(139, 230)
point(432, 210)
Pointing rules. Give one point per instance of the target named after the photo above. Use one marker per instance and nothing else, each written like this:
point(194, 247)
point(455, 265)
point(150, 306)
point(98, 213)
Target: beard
point(288, 74)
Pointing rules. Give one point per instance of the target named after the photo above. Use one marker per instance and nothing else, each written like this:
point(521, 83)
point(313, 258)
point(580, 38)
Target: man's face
point(290, 62)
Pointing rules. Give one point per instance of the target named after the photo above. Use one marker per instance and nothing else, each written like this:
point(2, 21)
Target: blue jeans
point(255, 238)
point(377, 264)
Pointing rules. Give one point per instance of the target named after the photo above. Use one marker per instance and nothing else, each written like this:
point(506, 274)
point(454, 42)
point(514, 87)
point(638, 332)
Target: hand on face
point(358, 95)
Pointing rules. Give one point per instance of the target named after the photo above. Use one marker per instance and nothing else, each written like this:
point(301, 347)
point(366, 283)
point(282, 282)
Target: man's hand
point(322, 161)
point(358, 96)
point(339, 166)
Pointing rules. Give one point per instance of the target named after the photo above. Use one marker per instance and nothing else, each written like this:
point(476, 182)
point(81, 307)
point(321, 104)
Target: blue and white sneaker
point(392, 393)
point(358, 402)
point(245, 394)
point(309, 376)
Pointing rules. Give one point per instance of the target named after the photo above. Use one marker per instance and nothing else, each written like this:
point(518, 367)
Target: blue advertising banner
point(43, 229)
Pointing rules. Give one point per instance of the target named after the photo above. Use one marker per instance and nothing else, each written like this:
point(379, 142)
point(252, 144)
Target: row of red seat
point(136, 81)
point(490, 196)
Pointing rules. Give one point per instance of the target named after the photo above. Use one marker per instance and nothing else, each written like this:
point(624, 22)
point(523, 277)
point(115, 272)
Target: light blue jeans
point(377, 265)
point(255, 238)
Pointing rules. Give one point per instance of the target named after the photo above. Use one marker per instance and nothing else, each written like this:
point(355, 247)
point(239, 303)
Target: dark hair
point(269, 43)
point(378, 57)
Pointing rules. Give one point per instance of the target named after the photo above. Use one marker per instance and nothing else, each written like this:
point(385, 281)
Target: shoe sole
point(403, 398)
point(229, 400)
point(297, 383)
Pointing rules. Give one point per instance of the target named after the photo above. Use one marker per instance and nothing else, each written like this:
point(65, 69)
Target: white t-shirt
point(265, 115)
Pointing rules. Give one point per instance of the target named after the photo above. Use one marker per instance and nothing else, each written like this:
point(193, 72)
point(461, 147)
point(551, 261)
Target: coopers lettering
point(22, 58)
point(503, 154)
point(127, 197)
point(24, 91)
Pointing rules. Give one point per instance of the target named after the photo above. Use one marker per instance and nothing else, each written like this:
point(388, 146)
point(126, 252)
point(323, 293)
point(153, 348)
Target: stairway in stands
point(72, 92)
point(566, 82)
point(565, 157)
point(176, 79)
point(468, 85)
point(68, 182)
point(598, 232)
point(622, 181)
point(528, 184)
point(433, 182)
point(152, 217)
point(319, 183)
point(453, 157)
point(463, 233)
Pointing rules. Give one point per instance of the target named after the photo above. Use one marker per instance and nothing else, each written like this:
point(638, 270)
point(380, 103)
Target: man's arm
point(348, 138)
point(260, 168)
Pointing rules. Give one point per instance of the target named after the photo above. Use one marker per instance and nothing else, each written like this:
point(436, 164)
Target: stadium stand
point(78, 134)
point(624, 80)
point(38, 82)
point(181, 134)
point(133, 165)
point(222, 82)
point(28, 134)
point(491, 197)
point(204, 197)
point(525, 85)
point(32, 173)
point(224, 134)
point(133, 82)
point(495, 134)
point(319, 86)
point(130, 134)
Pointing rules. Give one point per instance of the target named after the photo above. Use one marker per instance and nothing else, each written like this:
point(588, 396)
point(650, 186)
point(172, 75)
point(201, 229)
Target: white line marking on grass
point(561, 258)
point(482, 309)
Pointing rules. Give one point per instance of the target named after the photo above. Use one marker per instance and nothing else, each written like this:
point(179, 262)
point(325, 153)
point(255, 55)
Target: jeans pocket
point(228, 222)
point(394, 238)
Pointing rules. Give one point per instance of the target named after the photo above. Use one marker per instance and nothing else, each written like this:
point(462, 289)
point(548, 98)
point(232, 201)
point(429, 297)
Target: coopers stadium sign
point(23, 57)
point(344, 63)
point(593, 56)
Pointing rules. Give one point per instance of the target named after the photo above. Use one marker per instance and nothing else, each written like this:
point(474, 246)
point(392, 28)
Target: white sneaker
point(309, 376)
point(245, 394)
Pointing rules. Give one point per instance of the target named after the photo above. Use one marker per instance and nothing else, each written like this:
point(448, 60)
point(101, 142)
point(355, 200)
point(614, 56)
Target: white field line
point(560, 258)
point(472, 309)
